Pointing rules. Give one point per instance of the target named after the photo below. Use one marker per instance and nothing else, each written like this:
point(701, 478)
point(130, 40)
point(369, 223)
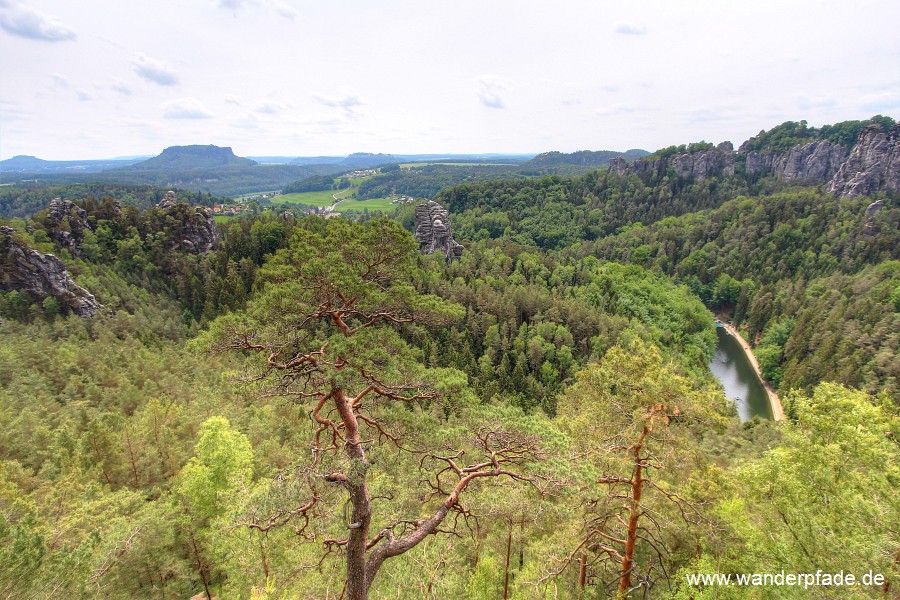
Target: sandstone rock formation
point(41, 276)
point(813, 162)
point(706, 163)
point(873, 165)
point(870, 227)
point(433, 231)
point(197, 229)
point(698, 165)
point(169, 201)
point(66, 223)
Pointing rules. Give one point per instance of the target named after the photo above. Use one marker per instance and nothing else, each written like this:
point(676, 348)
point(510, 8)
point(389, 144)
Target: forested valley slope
point(284, 407)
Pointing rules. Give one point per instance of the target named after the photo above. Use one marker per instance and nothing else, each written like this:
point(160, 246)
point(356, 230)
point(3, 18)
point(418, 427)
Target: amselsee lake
point(730, 366)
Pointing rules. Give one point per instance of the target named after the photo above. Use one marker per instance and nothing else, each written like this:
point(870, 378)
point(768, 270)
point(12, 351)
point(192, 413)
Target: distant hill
point(188, 158)
point(584, 158)
point(24, 163)
point(366, 159)
point(32, 164)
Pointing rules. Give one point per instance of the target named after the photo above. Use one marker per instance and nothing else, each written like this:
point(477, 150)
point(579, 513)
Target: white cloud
point(626, 28)
point(284, 9)
point(270, 108)
point(618, 108)
point(232, 99)
point(246, 121)
point(234, 4)
point(122, 88)
point(706, 115)
point(29, 23)
point(881, 102)
point(490, 92)
point(349, 101)
point(83, 96)
point(805, 103)
point(185, 108)
point(60, 81)
point(154, 70)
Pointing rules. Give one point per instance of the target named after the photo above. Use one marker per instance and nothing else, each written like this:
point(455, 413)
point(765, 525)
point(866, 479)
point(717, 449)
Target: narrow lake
point(730, 366)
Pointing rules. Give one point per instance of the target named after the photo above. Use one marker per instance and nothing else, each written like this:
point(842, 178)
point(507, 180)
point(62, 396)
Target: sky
point(92, 79)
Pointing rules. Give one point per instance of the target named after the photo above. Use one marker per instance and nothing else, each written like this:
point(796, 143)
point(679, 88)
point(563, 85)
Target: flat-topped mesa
point(41, 276)
point(433, 231)
point(873, 165)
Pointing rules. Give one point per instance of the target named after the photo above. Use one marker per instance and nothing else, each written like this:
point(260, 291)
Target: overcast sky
point(100, 78)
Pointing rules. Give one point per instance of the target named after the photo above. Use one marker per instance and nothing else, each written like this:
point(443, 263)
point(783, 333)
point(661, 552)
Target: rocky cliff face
point(699, 165)
point(197, 231)
point(433, 231)
point(706, 163)
point(66, 223)
point(815, 162)
point(873, 165)
point(41, 276)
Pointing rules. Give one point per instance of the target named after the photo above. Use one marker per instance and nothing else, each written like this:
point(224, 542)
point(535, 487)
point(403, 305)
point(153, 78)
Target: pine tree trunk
point(634, 514)
point(361, 514)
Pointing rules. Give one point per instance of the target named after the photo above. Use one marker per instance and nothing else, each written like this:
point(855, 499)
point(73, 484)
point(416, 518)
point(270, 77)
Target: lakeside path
point(774, 400)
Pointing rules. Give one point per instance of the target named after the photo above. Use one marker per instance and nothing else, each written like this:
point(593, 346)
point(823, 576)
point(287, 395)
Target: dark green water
point(730, 366)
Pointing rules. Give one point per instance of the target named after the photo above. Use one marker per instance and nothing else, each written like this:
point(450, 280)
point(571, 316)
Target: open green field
point(311, 198)
point(219, 219)
point(383, 204)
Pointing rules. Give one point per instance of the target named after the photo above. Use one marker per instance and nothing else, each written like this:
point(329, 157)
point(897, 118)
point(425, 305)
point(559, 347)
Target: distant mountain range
point(31, 164)
point(217, 170)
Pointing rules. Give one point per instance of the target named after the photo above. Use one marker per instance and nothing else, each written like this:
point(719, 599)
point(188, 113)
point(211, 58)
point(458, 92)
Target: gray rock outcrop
point(170, 200)
point(816, 161)
point(432, 223)
point(870, 226)
point(873, 165)
point(66, 223)
point(41, 276)
point(698, 165)
point(197, 232)
point(618, 166)
point(705, 163)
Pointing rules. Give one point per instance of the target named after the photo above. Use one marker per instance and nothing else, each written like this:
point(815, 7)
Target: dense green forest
point(24, 200)
point(316, 183)
point(790, 133)
point(426, 181)
point(314, 409)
